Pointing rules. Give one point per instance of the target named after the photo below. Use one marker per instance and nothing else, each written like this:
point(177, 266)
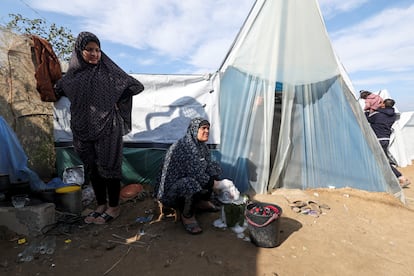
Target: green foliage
point(60, 38)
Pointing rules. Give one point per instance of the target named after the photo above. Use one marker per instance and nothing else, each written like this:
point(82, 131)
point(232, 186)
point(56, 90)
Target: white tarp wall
point(407, 131)
point(324, 138)
point(162, 112)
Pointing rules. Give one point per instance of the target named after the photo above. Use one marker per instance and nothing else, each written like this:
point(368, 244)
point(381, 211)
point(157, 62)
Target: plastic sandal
point(193, 228)
point(106, 218)
point(90, 218)
point(298, 205)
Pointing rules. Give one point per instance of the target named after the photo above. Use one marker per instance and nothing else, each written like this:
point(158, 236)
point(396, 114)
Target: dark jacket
point(381, 121)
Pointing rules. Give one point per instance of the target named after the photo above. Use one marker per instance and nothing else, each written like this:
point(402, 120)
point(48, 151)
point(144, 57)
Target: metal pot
point(69, 199)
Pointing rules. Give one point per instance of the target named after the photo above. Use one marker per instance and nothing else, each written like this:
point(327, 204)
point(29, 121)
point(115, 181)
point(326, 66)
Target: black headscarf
point(97, 92)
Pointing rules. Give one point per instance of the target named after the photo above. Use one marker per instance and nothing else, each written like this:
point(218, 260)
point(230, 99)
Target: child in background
point(372, 101)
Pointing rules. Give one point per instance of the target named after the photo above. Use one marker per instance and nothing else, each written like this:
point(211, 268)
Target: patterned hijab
point(95, 91)
point(197, 147)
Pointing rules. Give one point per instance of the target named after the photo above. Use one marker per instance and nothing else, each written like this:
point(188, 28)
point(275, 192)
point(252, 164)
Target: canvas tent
point(281, 105)
point(21, 106)
point(407, 131)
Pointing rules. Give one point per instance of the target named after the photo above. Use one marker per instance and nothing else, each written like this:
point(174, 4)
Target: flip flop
point(193, 228)
point(324, 206)
point(298, 205)
point(106, 217)
point(315, 209)
point(90, 218)
point(308, 207)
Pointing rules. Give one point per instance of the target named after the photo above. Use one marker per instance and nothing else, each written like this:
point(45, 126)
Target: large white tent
point(323, 138)
point(407, 132)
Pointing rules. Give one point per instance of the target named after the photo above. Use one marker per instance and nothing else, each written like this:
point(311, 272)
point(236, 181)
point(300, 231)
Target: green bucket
point(234, 214)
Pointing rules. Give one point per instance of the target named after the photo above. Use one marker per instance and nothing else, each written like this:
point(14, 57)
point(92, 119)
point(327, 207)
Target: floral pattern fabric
point(187, 168)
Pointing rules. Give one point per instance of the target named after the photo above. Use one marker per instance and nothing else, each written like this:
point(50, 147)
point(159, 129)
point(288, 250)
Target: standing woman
point(101, 102)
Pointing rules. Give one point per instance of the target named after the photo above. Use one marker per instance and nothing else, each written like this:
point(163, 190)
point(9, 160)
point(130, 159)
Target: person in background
point(381, 122)
point(188, 175)
point(372, 101)
point(100, 94)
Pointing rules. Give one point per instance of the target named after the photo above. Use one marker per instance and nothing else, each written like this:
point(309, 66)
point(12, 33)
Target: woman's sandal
point(308, 207)
point(106, 218)
point(314, 209)
point(90, 218)
point(193, 228)
point(297, 205)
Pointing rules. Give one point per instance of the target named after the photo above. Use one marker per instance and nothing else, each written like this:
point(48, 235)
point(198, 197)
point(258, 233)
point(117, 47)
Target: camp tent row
point(287, 114)
point(282, 108)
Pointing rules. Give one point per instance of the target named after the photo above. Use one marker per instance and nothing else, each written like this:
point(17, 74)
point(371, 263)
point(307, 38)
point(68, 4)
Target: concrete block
point(29, 220)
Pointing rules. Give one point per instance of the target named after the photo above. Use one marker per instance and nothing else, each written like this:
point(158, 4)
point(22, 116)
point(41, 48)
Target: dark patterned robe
point(187, 168)
point(101, 103)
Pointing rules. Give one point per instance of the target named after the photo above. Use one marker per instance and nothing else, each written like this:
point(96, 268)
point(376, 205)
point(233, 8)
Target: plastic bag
point(227, 191)
point(74, 175)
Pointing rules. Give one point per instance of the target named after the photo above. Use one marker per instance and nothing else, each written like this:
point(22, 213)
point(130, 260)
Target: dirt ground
point(362, 233)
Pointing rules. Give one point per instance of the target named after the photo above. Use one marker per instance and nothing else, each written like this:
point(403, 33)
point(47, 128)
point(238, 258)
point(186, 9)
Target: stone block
point(29, 220)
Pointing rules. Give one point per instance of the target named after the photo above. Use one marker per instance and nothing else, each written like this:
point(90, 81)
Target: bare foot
point(100, 208)
point(404, 182)
point(188, 220)
point(113, 211)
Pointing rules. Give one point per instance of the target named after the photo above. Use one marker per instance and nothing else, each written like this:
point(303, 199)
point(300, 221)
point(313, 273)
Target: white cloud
point(173, 29)
point(211, 54)
point(146, 61)
point(378, 50)
point(382, 42)
point(332, 7)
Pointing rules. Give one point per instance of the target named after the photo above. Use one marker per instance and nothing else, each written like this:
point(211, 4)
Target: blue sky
point(374, 39)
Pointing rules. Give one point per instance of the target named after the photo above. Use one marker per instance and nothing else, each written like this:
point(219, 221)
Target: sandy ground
point(363, 233)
